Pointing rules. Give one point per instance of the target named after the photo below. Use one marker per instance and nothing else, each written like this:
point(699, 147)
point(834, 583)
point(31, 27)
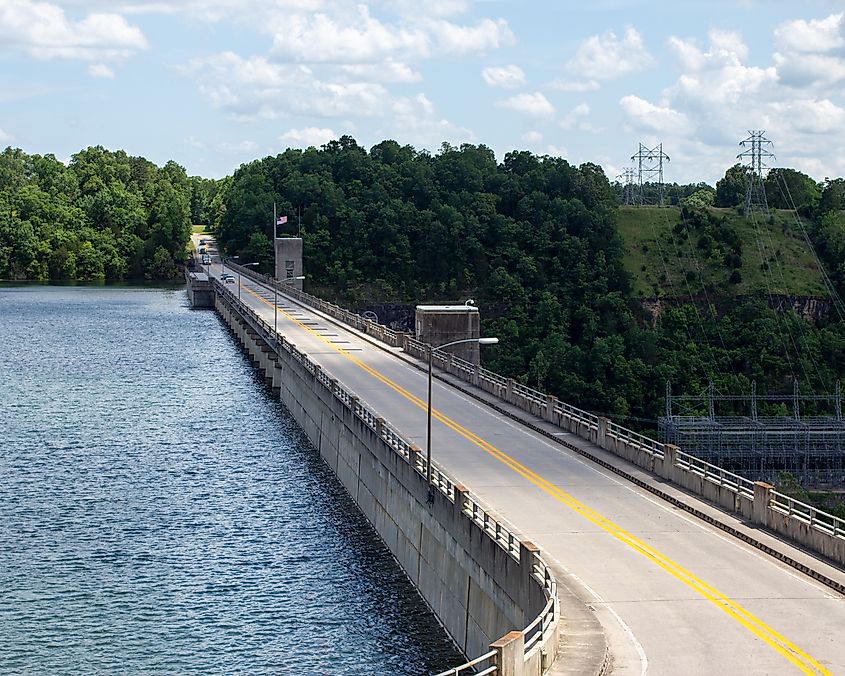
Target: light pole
point(275, 296)
point(223, 265)
point(239, 277)
point(480, 341)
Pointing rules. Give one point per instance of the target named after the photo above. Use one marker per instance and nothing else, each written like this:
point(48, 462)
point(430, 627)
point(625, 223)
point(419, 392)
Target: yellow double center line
point(778, 642)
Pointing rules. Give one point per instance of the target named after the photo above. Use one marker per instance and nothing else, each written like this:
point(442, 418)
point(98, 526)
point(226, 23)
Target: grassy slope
point(658, 259)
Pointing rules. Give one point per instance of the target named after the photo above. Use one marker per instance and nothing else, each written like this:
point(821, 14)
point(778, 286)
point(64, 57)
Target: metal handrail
point(815, 518)
point(646, 444)
point(715, 474)
point(471, 664)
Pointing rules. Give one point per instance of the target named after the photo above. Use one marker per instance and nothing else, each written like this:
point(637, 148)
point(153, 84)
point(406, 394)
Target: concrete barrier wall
point(479, 589)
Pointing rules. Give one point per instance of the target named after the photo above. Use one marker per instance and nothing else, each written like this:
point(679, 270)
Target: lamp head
point(488, 341)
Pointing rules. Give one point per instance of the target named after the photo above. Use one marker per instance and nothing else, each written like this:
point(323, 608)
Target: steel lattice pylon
point(628, 180)
point(755, 150)
point(649, 167)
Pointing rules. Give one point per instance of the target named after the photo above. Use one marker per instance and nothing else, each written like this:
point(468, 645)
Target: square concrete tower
point(289, 259)
point(439, 324)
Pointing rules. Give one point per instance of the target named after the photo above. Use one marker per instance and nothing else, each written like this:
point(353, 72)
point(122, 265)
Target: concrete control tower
point(439, 324)
point(289, 259)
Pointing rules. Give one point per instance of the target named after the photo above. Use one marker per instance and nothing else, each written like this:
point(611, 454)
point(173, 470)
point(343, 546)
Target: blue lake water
point(160, 512)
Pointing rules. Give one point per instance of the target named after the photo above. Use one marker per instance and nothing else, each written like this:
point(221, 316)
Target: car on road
point(206, 259)
point(227, 278)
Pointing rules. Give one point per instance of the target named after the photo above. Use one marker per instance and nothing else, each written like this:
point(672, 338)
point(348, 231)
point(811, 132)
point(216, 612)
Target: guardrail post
point(527, 551)
point(762, 498)
point(601, 434)
point(415, 458)
point(509, 658)
point(509, 391)
point(476, 373)
point(460, 498)
point(380, 427)
point(353, 402)
point(551, 402)
point(406, 342)
point(318, 370)
point(666, 468)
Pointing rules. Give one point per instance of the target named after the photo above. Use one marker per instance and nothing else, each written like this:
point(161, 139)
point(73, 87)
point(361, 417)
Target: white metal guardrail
point(541, 629)
point(715, 474)
point(815, 518)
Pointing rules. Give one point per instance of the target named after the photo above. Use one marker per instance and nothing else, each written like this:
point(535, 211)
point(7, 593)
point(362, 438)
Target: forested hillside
point(536, 242)
point(105, 216)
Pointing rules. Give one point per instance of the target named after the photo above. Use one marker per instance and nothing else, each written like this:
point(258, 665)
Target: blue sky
point(214, 83)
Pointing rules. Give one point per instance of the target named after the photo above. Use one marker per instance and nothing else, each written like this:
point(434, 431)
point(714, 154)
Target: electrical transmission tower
point(755, 151)
point(628, 178)
point(650, 167)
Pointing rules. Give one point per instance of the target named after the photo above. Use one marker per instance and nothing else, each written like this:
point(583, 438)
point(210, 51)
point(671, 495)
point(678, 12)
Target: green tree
point(730, 190)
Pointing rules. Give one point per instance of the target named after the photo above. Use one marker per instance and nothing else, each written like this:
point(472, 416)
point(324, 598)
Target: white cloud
point(413, 119)
point(309, 136)
point(726, 49)
point(720, 94)
point(532, 137)
point(357, 38)
point(557, 151)
point(575, 117)
point(44, 32)
point(807, 70)
point(438, 8)
point(485, 35)
point(100, 70)
point(5, 138)
point(606, 57)
point(256, 88)
point(194, 142)
point(387, 71)
point(562, 85)
point(646, 116)
point(811, 116)
point(507, 77)
point(817, 35)
point(810, 52)
point(534, 105)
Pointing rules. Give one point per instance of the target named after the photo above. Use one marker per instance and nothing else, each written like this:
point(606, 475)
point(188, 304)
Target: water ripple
point(161, 513)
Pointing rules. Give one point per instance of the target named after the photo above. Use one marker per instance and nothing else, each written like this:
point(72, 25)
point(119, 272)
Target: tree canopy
point(104, 216)
point(535, 241)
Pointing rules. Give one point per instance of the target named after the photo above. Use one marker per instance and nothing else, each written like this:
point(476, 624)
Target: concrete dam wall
point(493, 594)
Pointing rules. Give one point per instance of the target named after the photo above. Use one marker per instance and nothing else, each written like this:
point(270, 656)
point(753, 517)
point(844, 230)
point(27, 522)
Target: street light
point(480, 341)
point(287, 280)
point(239, 276)
point(223, 264)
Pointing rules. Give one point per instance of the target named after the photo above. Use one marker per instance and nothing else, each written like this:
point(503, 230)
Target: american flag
point(282, 220)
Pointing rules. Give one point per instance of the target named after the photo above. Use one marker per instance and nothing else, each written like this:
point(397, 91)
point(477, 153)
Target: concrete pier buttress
point(483, 591)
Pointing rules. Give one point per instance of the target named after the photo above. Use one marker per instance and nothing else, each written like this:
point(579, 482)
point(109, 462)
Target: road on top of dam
point(674, 595)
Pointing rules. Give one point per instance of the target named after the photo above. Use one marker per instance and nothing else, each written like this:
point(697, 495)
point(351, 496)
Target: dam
point(556, 541)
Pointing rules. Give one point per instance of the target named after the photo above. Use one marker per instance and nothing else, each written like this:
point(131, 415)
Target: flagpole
point(275, 269)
